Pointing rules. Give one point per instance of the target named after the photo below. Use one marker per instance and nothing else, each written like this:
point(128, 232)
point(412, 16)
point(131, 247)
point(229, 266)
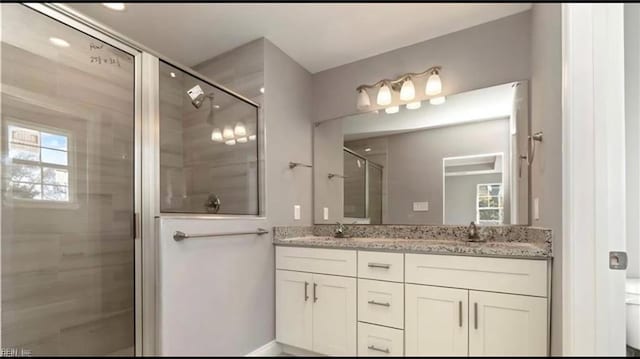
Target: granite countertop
point(452, 246)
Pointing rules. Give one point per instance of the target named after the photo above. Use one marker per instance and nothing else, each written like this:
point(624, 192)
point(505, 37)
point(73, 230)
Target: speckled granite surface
point(501, 241)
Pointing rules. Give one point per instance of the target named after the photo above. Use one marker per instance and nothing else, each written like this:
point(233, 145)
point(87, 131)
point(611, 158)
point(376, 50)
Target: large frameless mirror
point(455, 161)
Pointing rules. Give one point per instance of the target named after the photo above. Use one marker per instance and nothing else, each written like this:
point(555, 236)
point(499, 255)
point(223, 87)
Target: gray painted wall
point(461, 196)
point(632, 118)
point(546, 116)
point(414, 166)
point(287, 123)
point(489, 54)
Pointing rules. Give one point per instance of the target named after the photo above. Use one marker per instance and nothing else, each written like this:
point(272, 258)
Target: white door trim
point(593, 178)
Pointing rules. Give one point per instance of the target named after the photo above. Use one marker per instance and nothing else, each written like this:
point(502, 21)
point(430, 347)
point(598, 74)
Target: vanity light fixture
point(230, 142)
point(437, 100)
point(216, 135)
point(227, 133)
point(252, 137)
point(403, 84)
point(391, 110)
point(239, 130)
point(117, 6)
point(241, 140)
point(414, 105)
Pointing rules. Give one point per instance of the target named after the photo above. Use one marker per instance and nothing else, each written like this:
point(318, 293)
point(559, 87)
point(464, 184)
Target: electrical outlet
point(420, 206)
point(326, 213)
point(296, 212)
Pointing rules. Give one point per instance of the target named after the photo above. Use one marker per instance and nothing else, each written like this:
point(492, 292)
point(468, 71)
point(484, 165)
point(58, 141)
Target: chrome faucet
point(472, 233)
point(339, 232)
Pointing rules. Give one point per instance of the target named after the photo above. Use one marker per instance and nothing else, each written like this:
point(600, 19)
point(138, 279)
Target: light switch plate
point(296, 212)
point(325, 214)
point(420, 206)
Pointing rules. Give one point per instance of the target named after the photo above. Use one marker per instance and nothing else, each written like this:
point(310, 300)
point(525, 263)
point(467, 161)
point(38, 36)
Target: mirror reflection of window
point(39, 169)
point(490, 202)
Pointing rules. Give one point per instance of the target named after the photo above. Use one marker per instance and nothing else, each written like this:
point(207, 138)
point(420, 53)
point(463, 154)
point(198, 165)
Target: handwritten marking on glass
point(102, 60)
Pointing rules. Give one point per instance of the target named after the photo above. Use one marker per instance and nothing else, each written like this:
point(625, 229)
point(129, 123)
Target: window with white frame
point(490, 203)
point(39, 164)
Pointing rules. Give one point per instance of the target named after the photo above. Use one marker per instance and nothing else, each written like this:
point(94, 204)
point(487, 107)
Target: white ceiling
point(318, 36)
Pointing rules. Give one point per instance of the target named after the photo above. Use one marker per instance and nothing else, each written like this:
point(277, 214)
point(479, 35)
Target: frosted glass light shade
point(240, 130)
point(216, 135)
point(438, 100)
point(392, 109)
point(363, 100)
point(227, 133)
point(414, 105)
point(434, 84)
point(384, 95)
point(407, 91)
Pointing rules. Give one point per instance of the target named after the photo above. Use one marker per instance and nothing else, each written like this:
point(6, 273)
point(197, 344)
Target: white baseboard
point(297, 352)
point(270, 349)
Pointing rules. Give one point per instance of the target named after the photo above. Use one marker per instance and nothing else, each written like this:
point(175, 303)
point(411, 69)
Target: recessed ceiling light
point(216, 106)
point(58, 42)
point(368, 149)
point(173, 74)
point(117, 6)
point(262, 89)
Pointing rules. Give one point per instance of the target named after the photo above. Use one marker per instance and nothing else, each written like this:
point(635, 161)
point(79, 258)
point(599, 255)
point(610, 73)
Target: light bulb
point(363, 100)
point(438, 100)
point(242, 140)
point(414, 105)
point(227, 133)
point(59, 42)
point(252, 138)
point(216, 135)
point(392, 109)
point(408, 90)
point(434, 84)
point(240, 130)
point(384, 95)
point(230, 142)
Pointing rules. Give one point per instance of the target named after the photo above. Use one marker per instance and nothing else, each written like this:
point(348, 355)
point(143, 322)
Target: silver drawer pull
point(379, 303)
point(373, 347)
point(379, 265)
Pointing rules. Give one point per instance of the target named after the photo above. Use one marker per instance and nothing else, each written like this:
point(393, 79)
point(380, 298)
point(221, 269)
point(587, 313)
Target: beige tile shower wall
point(67, 273)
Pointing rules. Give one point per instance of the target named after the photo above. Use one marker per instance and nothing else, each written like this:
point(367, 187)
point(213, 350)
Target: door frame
point(593, 179)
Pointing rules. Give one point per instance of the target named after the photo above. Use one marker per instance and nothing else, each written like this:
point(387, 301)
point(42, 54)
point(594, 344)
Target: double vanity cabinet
point(352, 302)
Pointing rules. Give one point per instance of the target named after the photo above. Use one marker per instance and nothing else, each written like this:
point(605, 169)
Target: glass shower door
point(67, 133)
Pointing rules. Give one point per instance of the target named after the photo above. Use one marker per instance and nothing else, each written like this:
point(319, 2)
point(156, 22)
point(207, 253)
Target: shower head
point(198, 96)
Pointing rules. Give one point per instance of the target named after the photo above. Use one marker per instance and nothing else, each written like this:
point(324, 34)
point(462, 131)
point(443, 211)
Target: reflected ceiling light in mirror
point(216, 135)
point(363, 99)
point(434, 84)
point(173, 74)
point(408, 90)
point(239, 130)
point(227, 133)
point(117, 6)
point(59, 42)
point(391, 110)
point(384, 95)
point(230, 142)
point(414, 105)
point(252, 138)
point(368, 149)
point(242, 140)
point(438, 100)
point(261, 89)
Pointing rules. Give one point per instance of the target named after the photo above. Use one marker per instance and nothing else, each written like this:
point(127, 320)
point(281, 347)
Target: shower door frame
point(144, 343)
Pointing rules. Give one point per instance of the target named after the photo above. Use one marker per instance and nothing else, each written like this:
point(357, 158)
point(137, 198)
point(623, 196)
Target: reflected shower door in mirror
point(68, 195)
point(208, 148)
point(451, 162)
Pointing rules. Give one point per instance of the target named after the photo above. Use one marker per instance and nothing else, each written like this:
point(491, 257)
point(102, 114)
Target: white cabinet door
point(294, 309)
point(507, 325)
point(334, 315)
point(436, 321)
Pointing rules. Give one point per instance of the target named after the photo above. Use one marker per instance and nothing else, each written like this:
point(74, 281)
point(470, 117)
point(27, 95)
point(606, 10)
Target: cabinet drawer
point(381, 303)
point(518, 276)
point(380, 265)
point(378, 341)
point(317, 260)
